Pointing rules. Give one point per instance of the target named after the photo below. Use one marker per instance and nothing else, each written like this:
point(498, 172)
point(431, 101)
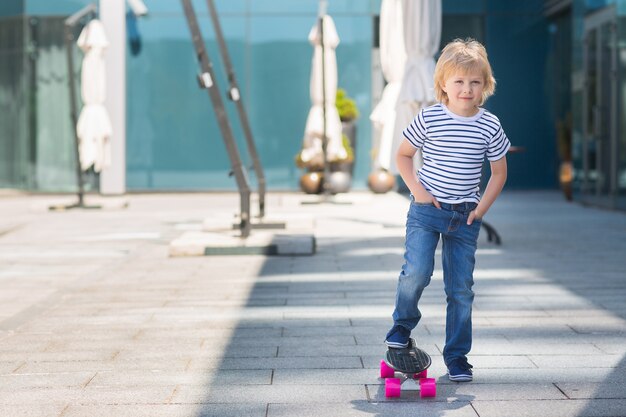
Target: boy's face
point(465, 91)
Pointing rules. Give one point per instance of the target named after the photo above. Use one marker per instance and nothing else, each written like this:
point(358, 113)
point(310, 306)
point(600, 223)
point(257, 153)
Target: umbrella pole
point(325, 182)
point(208, 81)
point(70, 23)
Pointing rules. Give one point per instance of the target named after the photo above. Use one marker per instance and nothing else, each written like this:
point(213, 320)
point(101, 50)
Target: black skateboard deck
point(408, 360)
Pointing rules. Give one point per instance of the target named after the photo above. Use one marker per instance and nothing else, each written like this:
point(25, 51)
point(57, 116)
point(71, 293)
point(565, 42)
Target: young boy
point(454, 135)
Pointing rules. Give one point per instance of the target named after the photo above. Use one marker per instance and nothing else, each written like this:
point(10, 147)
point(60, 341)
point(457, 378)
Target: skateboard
point(400, 365)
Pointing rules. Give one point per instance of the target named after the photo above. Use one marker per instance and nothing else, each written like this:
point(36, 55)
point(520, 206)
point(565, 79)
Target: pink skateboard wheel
point(428, 387)
point(385, 370)
point(392, 387)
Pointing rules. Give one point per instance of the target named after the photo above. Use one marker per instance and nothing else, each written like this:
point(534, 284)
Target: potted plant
point(341, 170)
point(340, 179)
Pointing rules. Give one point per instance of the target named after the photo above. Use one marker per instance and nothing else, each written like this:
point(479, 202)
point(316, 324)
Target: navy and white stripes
point(454, 148)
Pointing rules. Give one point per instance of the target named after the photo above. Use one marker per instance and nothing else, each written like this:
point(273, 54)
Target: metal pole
point(207, 81)
point(325, 179)
point(234, 95)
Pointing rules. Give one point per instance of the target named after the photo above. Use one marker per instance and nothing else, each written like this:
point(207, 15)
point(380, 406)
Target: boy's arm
point(494, 187)
point(404, 162)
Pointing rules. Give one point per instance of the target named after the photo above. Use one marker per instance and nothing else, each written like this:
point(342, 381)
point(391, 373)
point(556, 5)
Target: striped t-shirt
point(454, 149)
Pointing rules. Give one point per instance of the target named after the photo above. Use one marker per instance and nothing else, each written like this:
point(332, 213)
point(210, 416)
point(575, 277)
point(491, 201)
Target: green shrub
point(346, 106)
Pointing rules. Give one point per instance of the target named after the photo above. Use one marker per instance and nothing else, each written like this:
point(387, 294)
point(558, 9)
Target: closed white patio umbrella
point(393, 59)
point(94, 126)
point(312, 149)
point(422, 35)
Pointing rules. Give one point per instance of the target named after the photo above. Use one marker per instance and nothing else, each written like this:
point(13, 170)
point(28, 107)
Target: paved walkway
point(97, 320)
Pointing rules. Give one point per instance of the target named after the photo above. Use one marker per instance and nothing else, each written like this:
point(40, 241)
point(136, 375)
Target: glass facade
point(36, 134)
point(15, 138)
point(598, 94)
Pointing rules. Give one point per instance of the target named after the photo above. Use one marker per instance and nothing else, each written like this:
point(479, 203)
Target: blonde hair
point(463, 56)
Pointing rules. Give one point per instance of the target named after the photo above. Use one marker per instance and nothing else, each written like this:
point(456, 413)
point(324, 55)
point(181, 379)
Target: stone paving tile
point(594, 390)
point(333, 376)
point(492, 311)
point(169, 352)
point(329, 351)
point(553, 375)
point(26, 344)
point(9, 367)
point(608, 322)
point(544, 338)
point(206, 330)
point(551, 408)
point(318, 341)
point(169, 410)
point(25, 381)
point(578, 361)
point(293, 394)
point(357, 408)
point(347, 362)
point(352, 330)
point(31, 410)
point(489, 347)
point(471, 392)
point(612, 347)
point(96, 395)
point(79, 366)
point(55, 355)
point(60, 346)
point(201, 377)
point(295, 323)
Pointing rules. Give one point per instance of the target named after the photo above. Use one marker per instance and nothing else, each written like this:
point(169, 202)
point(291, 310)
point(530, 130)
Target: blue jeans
point(425, 223)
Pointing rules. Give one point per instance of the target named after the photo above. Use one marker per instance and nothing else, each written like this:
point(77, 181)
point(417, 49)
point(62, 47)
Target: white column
point(113, 17)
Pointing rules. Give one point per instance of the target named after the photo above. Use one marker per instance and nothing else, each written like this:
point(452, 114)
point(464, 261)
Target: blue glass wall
point(517, 41)
point(55, 7)
point(173, 140)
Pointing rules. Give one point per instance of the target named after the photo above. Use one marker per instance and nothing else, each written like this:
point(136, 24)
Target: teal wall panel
point(279, 92)
point(56, 7)
point(156, 7)
point(11, 8)
point(173, 140)
point(311, 6)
